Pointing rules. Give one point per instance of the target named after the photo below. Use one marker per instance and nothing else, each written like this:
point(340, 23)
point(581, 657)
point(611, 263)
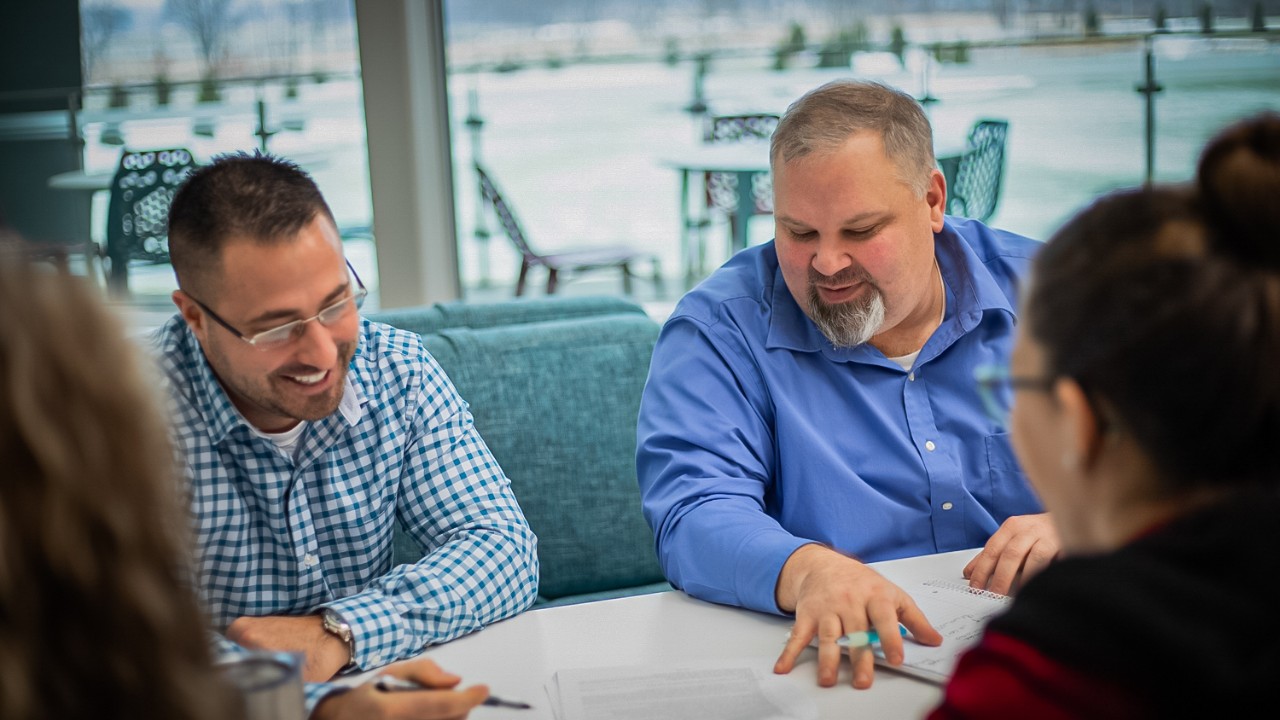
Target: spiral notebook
point(957, 611)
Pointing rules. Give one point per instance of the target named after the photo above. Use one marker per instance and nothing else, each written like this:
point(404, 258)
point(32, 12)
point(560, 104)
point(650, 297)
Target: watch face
point(334, 625)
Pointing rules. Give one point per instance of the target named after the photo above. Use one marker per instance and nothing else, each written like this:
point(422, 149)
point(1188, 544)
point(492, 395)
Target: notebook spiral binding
point(960, 587)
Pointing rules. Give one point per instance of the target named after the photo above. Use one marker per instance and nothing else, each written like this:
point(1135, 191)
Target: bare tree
point(323, 14)
point(210, 22)
point(99, 23)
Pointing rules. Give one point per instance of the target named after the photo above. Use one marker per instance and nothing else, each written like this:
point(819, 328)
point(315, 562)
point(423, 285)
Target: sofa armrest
point(429, 319)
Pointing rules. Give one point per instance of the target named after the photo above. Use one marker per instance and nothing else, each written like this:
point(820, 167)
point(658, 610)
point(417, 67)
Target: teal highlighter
point(864, 638)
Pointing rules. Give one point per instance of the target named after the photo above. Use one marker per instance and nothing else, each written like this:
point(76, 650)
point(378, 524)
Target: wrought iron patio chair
point(980, 172)
point(722, 188)
point(577, 260)
point(138, 211)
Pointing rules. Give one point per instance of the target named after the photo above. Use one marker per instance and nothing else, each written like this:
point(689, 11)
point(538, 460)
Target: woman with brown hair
point(94, 619)
point(1146, 377)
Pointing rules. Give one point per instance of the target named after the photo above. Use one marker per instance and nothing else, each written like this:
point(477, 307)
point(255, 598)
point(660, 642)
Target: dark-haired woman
point(1146, 379)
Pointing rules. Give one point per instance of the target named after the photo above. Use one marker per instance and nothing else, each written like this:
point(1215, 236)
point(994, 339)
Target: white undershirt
point(908, 360)
point(287, 441)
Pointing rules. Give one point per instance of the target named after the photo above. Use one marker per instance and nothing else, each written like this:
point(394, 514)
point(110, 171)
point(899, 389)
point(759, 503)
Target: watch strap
point(334, 625)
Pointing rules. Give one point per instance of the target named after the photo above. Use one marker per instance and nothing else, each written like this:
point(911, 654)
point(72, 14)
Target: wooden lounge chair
point(577, 260)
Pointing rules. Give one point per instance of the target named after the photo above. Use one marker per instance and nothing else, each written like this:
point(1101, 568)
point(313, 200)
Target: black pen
point(390, 683)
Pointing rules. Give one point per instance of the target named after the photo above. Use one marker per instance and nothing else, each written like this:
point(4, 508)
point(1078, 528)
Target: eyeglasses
point(996, 386)
point(278, 337)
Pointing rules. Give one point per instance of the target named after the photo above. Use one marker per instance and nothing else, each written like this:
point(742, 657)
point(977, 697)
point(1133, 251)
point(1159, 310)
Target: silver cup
point(270, 684)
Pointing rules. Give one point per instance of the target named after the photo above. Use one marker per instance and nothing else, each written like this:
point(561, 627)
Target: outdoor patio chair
point(722, 188)
point(979, 172)
point(138, 211)
point(578, 260)
point(59, 254)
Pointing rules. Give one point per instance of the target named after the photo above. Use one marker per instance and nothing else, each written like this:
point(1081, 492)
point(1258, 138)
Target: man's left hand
point(1022, 547)
point(325, 653)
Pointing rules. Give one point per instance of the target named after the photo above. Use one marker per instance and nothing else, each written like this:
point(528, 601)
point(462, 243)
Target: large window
point(216, 76)
point(581, 109)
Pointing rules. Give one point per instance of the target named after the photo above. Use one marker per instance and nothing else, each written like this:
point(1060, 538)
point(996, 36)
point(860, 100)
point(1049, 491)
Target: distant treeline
point(653, 12)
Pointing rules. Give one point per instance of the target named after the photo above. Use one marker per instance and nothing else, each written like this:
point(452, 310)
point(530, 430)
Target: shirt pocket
point(354, 517)
point(1011, 494)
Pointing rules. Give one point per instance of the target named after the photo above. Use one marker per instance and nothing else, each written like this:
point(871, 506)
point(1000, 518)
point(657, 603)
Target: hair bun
point(1239, 181)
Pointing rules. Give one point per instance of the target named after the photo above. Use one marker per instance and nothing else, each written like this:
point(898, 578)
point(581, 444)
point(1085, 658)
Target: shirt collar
point(789, 327)
point(969, 283)
point(221, 415)
point(970, 290)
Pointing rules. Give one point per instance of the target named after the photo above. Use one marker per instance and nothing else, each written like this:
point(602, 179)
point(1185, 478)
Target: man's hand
point(833, 595)
point(325, 653)
point(1022, 547)
point(441, 702)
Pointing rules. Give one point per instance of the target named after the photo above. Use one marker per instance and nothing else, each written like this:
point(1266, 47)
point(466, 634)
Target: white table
point(743, 159)
point(517, 657)
point(81, 180)
point(86, 181)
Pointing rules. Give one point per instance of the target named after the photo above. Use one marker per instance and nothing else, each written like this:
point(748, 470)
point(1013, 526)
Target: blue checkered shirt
point(279, 535)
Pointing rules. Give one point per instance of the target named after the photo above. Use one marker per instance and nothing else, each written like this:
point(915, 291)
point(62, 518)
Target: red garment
point(1173, 624)
point(1002, 677)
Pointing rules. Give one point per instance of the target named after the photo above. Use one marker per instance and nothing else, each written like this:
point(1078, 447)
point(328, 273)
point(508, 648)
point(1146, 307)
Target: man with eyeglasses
point(307, 432)
point(811, 406)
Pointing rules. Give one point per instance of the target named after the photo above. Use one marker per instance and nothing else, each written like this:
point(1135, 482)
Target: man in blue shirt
point(812, 407)
point(307, 433)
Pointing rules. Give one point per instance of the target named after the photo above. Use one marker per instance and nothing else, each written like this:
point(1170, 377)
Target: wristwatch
point(334, 625)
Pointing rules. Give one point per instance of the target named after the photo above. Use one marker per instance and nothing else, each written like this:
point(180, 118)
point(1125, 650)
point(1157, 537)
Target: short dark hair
point(263, 197)
point(1168, 315)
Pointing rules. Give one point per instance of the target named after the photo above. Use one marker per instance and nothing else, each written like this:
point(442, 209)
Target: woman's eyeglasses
point(996, 386)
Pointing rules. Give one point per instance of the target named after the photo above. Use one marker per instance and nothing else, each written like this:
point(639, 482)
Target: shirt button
point(911, 376)
point(947, 506)
point(928, 445)
point(310, 560)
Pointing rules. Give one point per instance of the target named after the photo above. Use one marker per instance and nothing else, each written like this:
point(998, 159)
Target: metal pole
point(74, 137)
point(1149, 88)
point(475, 123)
point(698, 105)
point(926, 73)
point(263, 133)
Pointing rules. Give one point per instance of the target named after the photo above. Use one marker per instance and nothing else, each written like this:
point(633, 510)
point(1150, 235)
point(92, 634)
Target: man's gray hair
point(824, 118)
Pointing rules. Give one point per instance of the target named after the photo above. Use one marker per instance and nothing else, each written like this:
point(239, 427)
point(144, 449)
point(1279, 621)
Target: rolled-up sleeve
point(480, 560)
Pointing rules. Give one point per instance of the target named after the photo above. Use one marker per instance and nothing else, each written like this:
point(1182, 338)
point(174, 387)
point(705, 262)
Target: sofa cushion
point(557, 403)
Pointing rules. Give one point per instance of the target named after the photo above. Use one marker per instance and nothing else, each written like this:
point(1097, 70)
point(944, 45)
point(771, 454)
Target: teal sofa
point(554, 385)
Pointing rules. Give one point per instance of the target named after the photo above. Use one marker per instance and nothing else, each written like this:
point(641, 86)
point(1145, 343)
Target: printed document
point(737, 691)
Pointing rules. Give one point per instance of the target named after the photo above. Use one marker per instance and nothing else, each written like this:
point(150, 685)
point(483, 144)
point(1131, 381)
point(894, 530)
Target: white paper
point(959, 613)
point(955, 610)
point(720, 691)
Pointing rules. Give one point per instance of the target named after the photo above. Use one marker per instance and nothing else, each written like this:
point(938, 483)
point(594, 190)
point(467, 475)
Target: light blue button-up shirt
point(756, 435)
point(290, 535)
